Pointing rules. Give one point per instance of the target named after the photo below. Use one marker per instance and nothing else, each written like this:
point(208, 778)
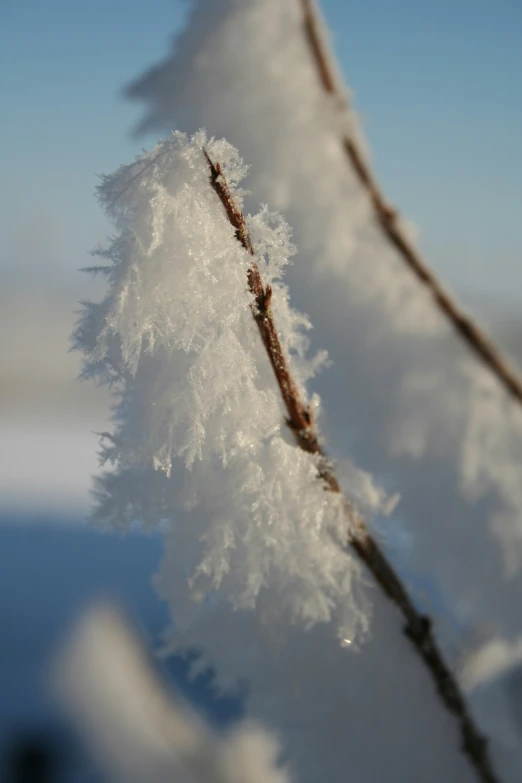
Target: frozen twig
point(300, 418)
point(418, 627)
point(387, 217)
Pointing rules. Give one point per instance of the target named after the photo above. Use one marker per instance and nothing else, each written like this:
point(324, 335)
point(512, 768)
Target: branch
point(473, 336)
point(418, 627)
point(300, 418)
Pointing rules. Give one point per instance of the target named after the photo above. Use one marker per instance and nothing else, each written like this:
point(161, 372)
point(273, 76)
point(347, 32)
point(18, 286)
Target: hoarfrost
point(176, 338)
point(403, 396)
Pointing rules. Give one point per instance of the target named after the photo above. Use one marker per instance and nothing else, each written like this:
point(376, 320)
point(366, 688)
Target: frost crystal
point(176, 339)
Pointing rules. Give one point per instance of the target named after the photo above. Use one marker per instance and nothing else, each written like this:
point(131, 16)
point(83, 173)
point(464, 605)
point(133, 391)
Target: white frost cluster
point(200, 445)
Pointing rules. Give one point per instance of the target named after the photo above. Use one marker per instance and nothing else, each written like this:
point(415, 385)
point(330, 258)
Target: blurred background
point(438, 89)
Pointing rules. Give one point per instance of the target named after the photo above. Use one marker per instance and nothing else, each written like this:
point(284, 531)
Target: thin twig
point(418, 627)
point(387, 217)
point(300, 418)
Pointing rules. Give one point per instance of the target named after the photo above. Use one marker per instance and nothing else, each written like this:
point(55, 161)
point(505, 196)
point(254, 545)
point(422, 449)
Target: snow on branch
point(404, 393)
point(255, 515)
point(176, 339)
point(300, 416)
point(418, 627)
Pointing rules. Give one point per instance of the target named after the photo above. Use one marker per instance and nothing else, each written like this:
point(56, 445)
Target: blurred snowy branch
point(141, 733)
point(388, 219)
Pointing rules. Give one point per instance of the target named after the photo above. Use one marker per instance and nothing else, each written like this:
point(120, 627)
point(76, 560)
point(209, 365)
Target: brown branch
point(418, 627)
point(387, 217)
point(300, 418)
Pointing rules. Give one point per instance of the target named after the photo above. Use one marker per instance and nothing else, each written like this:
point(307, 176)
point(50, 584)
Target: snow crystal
point(176, 339)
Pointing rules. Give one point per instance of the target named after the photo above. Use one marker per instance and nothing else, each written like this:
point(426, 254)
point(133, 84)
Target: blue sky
point(438, 84)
